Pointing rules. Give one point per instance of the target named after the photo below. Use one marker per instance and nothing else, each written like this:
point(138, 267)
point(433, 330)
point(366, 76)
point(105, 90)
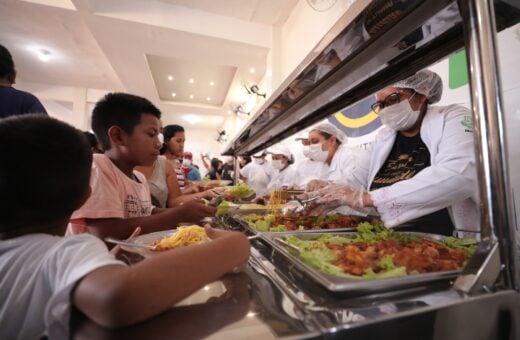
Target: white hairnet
point(259, 154)
point(302, 135)
point(280, 149)
point(331, 130)
point(424, 82)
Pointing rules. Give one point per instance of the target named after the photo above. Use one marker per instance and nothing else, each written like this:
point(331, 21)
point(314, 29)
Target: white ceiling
point(133, 45)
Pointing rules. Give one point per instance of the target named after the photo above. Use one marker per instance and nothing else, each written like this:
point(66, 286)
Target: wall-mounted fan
point(222, 136)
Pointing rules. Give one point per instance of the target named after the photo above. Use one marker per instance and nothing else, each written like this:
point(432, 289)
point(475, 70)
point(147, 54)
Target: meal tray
point(340, 284)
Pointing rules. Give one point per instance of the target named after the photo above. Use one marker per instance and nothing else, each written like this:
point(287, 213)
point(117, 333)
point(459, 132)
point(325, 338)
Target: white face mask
point(258, 160)
point(316, 153)
point(186, 162)
point(306, 150)
point(399, 117)
point(278, 164)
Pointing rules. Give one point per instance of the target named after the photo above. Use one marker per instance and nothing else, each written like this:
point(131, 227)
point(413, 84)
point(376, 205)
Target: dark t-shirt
point(409, 155)
point(15, 102)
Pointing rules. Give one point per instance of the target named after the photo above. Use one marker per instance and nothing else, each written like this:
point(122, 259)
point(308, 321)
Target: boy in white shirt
point(42, 274)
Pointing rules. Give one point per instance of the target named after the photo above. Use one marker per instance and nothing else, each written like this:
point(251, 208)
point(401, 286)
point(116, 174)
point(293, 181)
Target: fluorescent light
point(174, 94)
point(192, 96)
point(170, 78)
point(211, 83)
point(252, 70)
point(191, 81)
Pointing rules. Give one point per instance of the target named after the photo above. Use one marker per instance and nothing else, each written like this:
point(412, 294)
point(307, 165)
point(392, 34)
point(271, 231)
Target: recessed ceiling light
point(192, 96)
point(174, 94)
point(44, 55)
point(211, 83)
point(252, 70)
point(229, 112)
point(170, 78)
point(191, 81)
point(208, 98)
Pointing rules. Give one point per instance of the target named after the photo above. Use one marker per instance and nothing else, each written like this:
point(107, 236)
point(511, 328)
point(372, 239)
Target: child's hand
point(194, 211)
point(115, 251)
point(216, 234)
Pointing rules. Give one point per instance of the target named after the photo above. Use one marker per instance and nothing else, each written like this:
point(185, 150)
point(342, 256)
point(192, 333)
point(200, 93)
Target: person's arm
point(115, 296)
point(161, 219)
point(206, 165)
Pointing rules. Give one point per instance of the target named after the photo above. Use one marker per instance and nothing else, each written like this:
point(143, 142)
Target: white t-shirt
point(37, 275)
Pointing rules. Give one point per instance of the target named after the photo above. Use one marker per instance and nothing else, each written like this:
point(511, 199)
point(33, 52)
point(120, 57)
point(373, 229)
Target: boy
point(43, 275)
point(127, 128)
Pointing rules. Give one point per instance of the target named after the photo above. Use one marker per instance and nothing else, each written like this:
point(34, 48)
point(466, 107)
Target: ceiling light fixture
point(191, 81)
point(211, 83)
point(174, 94)
point(208, 98)
point(252, 70)
point(170, 78)
point(229, 112)
point(43, 54)
point(192, 96)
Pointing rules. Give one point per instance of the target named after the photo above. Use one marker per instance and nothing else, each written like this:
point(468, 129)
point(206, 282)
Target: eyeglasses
point(391, 99)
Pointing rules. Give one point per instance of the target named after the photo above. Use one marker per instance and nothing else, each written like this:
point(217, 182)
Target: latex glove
point(316, 184)
point(334, 196)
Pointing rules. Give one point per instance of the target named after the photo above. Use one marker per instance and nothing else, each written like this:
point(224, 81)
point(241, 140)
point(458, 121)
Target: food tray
point(252, 208)
point(358, 219)
point(341, 284)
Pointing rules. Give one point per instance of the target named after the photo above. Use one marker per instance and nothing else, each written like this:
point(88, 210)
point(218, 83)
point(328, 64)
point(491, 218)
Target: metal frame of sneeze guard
point(492, 258)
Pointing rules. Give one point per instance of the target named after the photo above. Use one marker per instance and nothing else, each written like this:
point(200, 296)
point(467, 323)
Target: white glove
point(336, 195)
point(316, 184)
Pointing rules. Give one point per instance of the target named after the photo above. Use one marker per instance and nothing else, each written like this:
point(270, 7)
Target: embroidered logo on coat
point(467, 123)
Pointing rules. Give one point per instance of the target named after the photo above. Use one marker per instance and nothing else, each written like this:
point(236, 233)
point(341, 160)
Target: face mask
point(258, 160)
point(160, 136)
point(317, 154)
point(399, 117)
point(306, 150)
point(186, 162)
point(277, 164)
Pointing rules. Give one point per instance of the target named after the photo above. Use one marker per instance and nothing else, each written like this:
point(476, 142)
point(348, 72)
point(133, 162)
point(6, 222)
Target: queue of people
point(136, 178)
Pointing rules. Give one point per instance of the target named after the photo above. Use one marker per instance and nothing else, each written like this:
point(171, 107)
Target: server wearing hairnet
point(327, 145)
point(308, 169)
point(421, 172)
point(284, 173)
point(258, 173)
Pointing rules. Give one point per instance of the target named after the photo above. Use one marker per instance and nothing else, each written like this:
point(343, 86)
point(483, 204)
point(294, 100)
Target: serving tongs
point(296, 205)
point(287, 244)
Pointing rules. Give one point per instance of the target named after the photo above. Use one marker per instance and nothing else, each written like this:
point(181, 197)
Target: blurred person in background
point(258, 173)
point(12, 101)
point(307, 169)
point(95, 147)
point(192, 173)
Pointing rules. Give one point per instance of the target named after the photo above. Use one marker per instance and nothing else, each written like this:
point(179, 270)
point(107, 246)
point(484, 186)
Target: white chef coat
point(283, 178)
point(258, 176)
point(307, 170)
point(450, 181)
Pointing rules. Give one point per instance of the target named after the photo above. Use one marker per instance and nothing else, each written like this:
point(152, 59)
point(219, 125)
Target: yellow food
point(184, 236)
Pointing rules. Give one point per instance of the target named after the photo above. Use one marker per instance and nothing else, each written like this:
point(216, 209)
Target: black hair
point(91, 138)
point(214, 163)
point(119, 109)
point(169, 132)
point(50, 192)
point(6, 62)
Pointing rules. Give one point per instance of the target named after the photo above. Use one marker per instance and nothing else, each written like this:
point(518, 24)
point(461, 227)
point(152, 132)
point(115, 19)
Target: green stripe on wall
point(458, 70)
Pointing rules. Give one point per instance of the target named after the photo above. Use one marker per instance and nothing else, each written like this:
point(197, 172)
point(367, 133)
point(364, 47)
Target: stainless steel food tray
point(240, 219)
point(339, 284)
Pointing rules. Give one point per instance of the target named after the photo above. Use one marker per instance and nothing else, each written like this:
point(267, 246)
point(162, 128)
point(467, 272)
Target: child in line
point(127, 128)
point(42, 274)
